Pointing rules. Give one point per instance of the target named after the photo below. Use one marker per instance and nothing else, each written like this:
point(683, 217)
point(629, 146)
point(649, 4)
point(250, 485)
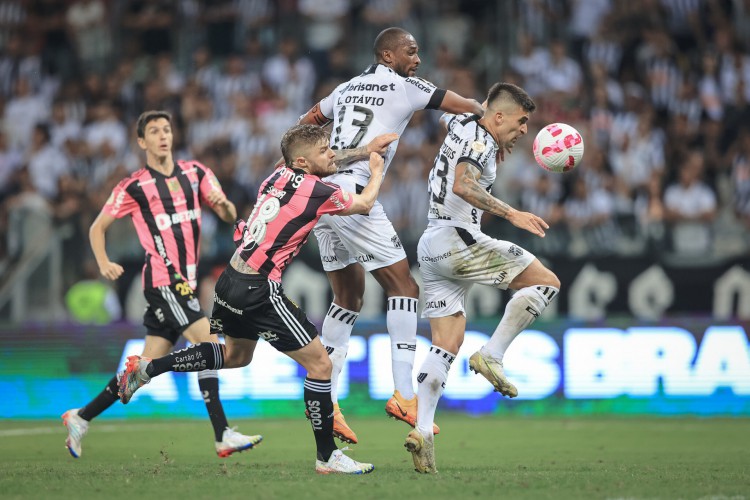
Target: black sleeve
point(437, 99)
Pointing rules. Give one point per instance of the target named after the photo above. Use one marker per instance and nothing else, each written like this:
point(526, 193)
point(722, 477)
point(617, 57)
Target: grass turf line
point(534, 458)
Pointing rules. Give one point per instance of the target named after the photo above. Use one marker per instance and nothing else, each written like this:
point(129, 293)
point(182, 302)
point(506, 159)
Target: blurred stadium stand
point(653, 222)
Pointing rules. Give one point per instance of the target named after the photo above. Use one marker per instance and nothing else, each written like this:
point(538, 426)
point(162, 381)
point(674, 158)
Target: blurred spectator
point(46, 163)
point(22, 112)
point(647, 85)
point(741, 178)
point(150, 22)
point(13, 16)
point(220, 20)
point(529, 61)
point(586, 16)
point(690, 208)
point(234, 79)
point(324, 26)
point(291, 74)
point(88, 21)
point(639, 157)
point(255, 21)
point(589, 215)
point(562, 75)
point(105, 129)
point(63, 127)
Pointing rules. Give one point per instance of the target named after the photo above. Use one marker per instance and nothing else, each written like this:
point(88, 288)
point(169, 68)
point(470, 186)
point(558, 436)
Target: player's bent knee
point(234, 359)
point(552, 280)
point(321, 368)
point(352, 302)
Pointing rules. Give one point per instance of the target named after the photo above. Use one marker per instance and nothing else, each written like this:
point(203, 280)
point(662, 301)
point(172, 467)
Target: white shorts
point(452, 259)
point(367, 239)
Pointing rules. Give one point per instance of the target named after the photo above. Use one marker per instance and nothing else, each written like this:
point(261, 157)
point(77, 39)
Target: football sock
point(208, 382)
point(523, 308)
point(101, 402)
point(401, 320)
point(430, 385)
point(320, 408)
point(337, 328)
point(197, 357)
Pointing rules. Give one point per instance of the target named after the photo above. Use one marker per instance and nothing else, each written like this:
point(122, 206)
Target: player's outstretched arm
point(468, 188)
point(454, 103)
point(378, 145)
point(362, 203)
point(108, 269)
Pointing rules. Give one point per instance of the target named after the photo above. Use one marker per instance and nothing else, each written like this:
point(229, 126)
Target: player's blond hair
point(299, 137)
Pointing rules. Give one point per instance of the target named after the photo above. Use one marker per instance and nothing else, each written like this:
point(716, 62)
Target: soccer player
point(454, 254)
point(380, 100)
point(164, 201)
point(249, 301)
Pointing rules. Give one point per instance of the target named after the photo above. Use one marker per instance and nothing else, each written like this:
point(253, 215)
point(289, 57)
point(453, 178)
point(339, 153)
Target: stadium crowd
point(658, 88)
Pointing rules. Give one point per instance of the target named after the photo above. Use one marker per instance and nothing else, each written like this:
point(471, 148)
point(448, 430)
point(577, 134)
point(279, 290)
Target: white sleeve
point(447, 120)
point(326, 105)
point(422, 94)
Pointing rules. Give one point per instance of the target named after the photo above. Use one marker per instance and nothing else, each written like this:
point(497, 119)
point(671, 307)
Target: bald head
point(390, 39)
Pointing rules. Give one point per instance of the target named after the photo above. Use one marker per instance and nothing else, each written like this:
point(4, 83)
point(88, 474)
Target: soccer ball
point(558, 147)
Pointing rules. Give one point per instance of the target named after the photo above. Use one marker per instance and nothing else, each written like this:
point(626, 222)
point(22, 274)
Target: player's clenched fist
point(111, 270)
point(376, 163)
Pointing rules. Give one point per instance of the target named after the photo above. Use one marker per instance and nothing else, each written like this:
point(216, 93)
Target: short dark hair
point(509, 91)
point(149, 116)
point(389, 39)
point(301, 136)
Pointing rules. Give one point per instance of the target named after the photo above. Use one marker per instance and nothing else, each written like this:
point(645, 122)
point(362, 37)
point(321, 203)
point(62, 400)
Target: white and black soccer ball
point(558, 147)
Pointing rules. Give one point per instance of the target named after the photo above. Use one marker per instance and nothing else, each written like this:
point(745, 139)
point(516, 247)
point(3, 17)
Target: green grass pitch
point(488, 457)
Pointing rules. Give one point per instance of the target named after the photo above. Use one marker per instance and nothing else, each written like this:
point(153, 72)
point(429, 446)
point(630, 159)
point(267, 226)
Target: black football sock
point(320, 409)
point(208, 381)
point(196, 358)
point(101, 402)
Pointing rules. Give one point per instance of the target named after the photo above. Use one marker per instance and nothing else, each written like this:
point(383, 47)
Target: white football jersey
point(467, 141)
point(378, 101)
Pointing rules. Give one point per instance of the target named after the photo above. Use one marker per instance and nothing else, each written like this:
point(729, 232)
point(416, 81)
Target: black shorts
point(250, 306)
point(171, 310)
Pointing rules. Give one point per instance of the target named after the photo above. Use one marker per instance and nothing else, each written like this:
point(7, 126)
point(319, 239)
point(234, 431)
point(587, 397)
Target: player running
point(249, 301)
point(164, 201)
point(454, 254)
point(380, 100)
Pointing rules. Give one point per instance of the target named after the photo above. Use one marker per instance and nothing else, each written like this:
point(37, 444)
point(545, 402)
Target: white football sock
point(523, 308)
point(337, 328)
point(401, 320)
point(430, 385)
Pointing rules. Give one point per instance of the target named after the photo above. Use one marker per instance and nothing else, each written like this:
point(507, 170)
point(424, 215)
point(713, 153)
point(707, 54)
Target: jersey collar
point(175, 169)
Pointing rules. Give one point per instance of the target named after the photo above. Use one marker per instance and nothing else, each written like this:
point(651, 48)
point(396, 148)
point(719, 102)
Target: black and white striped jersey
point(467, 142)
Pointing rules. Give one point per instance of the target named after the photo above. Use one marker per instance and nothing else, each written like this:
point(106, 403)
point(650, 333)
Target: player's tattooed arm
point(468, 188)
point(315, 117)
point(344, 156)
point(378, 145)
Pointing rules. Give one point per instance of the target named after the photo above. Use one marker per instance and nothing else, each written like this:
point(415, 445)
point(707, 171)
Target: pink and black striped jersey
point(290, 202)
point(166, 212)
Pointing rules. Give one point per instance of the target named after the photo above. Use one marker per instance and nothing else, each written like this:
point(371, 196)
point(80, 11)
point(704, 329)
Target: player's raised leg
point(535, 287)
point(139, 371)
point(77, 420)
